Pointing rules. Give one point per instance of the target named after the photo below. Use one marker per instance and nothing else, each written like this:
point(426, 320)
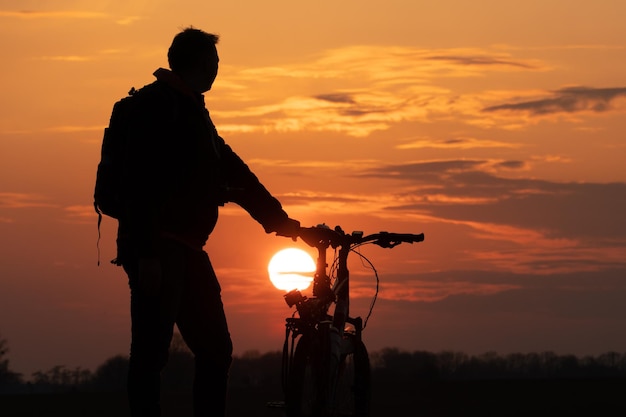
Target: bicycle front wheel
point(304, 390)
point(309, 390)
point(351, 397)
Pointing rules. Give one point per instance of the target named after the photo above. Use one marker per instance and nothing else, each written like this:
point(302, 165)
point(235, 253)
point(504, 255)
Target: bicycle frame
point(326, 333)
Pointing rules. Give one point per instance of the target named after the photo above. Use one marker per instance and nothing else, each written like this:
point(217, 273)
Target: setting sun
point(291, 269)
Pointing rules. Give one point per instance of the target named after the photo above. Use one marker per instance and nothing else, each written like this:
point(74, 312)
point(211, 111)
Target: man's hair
point(189, 47)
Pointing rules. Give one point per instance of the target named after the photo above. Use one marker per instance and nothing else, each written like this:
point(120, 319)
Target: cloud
point(566, 100)
point(56, 129)
point(515, 223)
point(128, 20)
point(561, 209)
point(574, 313)
point(482, 61)
point(336, 98)
point(410, 288)
point(455, 143)
point(74, 129)
point(521, 223)
point(106, 54)
point(356, 113)
point(480, 285)
point(359, 90)
point(22, 200)
point(66, 58)
point(560, 295)
point(68, 14)
point(52, 14)
point(81, 213)
point(380, 87)
point(311, 202)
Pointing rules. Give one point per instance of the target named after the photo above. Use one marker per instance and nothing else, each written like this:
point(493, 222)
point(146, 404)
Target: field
point(497, 398)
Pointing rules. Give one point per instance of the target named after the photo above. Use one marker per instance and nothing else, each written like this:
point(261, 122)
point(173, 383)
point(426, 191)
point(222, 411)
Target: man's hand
point(288, 228)
point(150, 275)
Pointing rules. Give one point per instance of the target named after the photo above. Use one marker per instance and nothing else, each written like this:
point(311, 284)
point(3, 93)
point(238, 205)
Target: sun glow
point(291, 269)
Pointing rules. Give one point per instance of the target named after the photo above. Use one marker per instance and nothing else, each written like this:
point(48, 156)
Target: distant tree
point(112, 374)
point(178, 345)
point(394, 364)
point(450, 363)
point(255, 369)
point(178, 374)
point(60, 378)
point(7, 377)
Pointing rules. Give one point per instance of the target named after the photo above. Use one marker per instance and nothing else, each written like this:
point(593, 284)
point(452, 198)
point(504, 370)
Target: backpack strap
point(95, 205)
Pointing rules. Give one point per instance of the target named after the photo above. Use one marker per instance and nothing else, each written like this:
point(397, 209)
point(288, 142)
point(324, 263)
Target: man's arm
point(245, 189)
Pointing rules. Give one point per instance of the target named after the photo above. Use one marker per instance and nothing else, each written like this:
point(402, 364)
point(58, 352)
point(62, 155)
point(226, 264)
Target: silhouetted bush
point(254, 369)
point(9, 380)
point(389, 366)
point(111, 375)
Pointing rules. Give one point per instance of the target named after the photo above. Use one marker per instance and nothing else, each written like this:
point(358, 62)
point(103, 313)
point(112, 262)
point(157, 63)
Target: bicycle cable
point(373, 268)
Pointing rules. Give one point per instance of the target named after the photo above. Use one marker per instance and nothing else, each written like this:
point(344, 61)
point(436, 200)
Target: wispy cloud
point(518, 223)
point(67, 58)
point(55, 129)
point(482, 61)
point(455, 143)
point(68, 14)
point(79, 214)
point(418, 290)
point(128, 20)
point(74, 129)
point(541, 224)
point(107, 54)
point(359, 90)
point(80, 211)
point(380, 87)
point(23, 200)
point(568, 209)
point(566, 100)
point(53, 14)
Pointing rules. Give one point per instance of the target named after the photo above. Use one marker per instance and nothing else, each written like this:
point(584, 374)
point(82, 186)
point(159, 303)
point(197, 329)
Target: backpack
point(108, 193)
point(109, 188)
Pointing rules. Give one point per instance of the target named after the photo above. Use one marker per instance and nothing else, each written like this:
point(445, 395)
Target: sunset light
point(291, 269)
point(495, 128)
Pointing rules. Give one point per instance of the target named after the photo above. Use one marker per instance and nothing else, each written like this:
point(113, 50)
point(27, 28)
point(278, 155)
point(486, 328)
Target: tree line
point(262, 369)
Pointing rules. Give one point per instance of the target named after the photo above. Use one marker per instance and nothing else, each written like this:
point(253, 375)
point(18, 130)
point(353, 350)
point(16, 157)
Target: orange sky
point(496, 129)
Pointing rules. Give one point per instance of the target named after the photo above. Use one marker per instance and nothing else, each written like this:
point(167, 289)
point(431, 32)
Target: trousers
point(190, 298)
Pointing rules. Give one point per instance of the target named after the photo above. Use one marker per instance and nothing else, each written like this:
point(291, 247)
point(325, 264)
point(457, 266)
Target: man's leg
point(202, 324)
point(152, 318)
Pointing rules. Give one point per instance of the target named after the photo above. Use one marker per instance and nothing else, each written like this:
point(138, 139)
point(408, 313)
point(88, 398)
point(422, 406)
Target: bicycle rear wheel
point(308, 395)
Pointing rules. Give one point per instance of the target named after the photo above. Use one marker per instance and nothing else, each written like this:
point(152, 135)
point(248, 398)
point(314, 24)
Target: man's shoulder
point(154, 97)
point(154, 91)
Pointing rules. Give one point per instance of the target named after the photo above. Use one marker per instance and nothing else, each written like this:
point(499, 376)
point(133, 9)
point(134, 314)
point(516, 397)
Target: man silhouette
point(178, 172)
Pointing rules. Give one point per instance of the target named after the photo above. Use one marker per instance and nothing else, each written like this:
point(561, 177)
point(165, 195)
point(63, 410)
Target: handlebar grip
point(390, 240)
point(314, 236)
point(416, 238)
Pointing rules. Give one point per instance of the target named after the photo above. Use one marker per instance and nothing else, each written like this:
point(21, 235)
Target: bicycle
point(326, 372)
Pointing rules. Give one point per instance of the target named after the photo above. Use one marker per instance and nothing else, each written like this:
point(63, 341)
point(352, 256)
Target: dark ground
point(497, 398)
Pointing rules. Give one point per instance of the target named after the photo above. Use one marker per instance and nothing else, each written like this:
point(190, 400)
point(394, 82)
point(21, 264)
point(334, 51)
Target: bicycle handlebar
point(322, 236)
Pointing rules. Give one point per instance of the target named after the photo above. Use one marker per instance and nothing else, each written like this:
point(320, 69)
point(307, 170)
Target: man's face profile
point(210, 65)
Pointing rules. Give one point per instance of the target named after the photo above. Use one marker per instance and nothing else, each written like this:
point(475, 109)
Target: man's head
point(193, 56)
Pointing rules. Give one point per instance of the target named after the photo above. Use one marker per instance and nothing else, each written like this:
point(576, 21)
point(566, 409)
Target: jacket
point(179, 171)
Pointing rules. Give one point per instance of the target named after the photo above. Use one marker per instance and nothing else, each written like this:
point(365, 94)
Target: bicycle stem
point(321, 282)
point(342, 306)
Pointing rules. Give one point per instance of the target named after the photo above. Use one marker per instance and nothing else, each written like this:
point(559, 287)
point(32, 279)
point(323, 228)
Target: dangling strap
point(95, 205)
